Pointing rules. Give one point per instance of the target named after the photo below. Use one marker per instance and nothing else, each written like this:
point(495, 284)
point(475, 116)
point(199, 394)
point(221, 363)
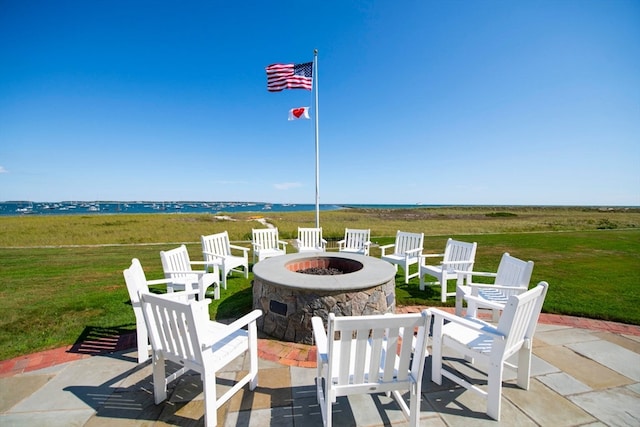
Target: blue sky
point(434, 102)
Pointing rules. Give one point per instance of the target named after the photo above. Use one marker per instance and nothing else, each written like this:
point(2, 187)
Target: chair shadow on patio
point(129, 396)
point(99, 340)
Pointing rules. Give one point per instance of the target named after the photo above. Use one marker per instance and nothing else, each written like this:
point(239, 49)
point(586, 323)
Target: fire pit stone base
point(289, 300)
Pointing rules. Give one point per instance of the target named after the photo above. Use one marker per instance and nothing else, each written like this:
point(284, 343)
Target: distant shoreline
point(27, 208)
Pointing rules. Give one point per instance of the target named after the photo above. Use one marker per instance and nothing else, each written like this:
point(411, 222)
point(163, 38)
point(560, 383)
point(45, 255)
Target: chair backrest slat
point(377, 351)
point(355, 238)
point(136, 282)
point(460, 254)
point(513, 272)
point(310, 237)
point(217, 244)
point(520, 316)
point(176, 260)
point(408, 241)
point(377, 348)
point(267, 238)
point(175, 330)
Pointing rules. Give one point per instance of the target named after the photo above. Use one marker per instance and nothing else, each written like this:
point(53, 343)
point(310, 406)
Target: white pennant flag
point(299, 113)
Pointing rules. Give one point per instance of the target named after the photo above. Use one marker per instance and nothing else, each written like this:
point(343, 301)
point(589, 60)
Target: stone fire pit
point(289, 299)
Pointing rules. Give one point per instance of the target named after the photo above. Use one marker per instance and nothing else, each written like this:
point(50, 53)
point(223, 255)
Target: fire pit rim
point(374, 272)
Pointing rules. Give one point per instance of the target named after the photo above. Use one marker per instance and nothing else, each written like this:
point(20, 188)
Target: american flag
point(289, 76)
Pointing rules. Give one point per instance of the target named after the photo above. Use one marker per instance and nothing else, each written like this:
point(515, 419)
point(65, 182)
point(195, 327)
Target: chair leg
point(253, 355)
point(472, 309)
point(330, 399)
point(436, 352)
point(494, 389)
point(205, 281)
point(414, 406)
point(210, 406)
point(223, 274)
point(323, 398)
point(142, 337)
point(524, 367)
point(159, 380)
point(459, 300)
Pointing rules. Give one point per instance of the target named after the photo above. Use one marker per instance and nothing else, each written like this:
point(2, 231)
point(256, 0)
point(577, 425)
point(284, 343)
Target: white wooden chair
point(489, 345)
point(406, 252)
point(137, 283)
point(372, 354)
point(310, 240)
point(355, 241)
point(457, 256)
point(512, 278)
point(182, 333)
point(217, 250)
point(178, 268)
point(266, 243)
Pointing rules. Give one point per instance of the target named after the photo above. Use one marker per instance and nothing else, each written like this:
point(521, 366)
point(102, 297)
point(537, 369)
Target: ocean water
point(18, 208)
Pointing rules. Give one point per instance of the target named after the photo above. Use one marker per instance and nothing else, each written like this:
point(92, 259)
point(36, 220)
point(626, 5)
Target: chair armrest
point(483, 302)
point(245, 320)
point(200, 262)
point(413, 252)
point(282, 242)
point(233, 327)
point(431, 255)
point(320, 336)
point(211, 254)
point(476, 273)
point(454, 262)
point(490, 286)
point(158, 282)
point(240, 248)
point(476, 324)
point(186, 296)
point(423, 258)
point(467, 275)
point(192, 272)
point(197, 273)
point(256, 246)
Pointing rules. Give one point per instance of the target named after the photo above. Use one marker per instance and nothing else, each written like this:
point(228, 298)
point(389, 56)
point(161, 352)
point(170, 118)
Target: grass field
point(62, 275)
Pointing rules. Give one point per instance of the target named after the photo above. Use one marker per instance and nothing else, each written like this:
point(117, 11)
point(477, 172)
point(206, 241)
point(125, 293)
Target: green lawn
point(53, 295)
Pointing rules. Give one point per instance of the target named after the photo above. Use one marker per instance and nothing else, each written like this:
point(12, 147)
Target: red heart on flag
point(298, 112)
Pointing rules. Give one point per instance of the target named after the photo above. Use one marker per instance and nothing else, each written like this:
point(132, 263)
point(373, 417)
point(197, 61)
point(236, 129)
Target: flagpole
point(315, 88)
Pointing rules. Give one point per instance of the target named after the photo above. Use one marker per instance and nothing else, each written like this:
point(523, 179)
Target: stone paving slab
point(563, 383)
point(63, 418)
point(615, 407)
point(545, 406)
point(580, 377)
point(565, 336)
point(68, 390)
point(16, 389)
point(629, 342)
point(583, 369)
point(461, 408)
point(612, 356)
